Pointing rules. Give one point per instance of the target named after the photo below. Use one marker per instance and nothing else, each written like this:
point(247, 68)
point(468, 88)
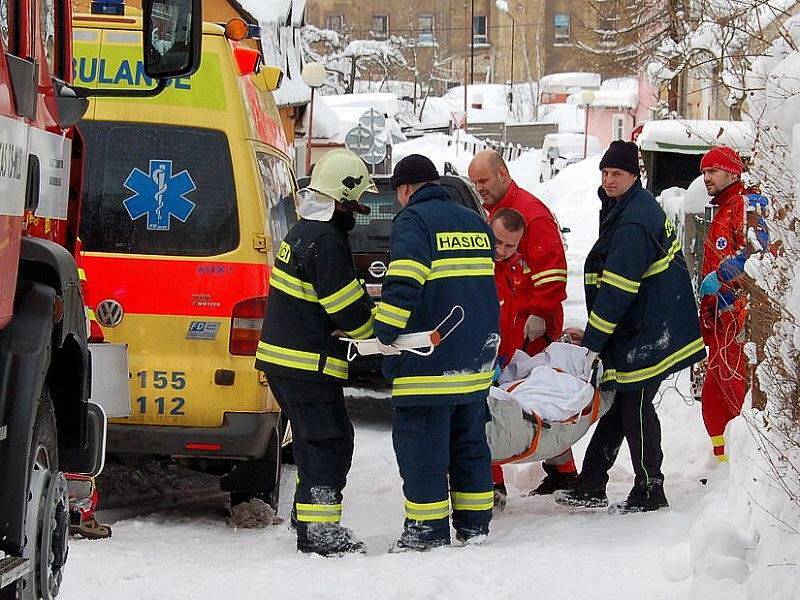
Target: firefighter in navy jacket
point(441, 257)
point(314, 298)
point(642, 322)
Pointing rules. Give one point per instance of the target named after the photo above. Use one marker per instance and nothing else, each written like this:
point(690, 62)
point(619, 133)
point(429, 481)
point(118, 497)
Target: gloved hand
point(387, 349)
point(534, 327)
point(711, 284)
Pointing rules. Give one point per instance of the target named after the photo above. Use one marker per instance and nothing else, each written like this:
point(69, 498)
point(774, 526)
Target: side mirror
point(172, 31)
point(268, 79)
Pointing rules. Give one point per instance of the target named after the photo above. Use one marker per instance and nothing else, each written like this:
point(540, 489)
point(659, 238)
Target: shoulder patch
point(721, 243)
point(284, 252)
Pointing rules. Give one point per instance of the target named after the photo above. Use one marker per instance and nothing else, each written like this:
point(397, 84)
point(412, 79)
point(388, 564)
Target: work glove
point(711, 284)
point(387, 349)
point(534, 327)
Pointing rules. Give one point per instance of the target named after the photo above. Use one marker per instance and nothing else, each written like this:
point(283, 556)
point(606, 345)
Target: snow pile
point(622, 92)
point(335, 115)
point(569, 82)
point(697, 198)
point(673, 201)
point(569, 117)
point(253, 514)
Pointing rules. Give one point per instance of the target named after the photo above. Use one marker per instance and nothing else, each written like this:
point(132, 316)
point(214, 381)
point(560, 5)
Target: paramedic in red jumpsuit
point(540, 311)
point(723, 314)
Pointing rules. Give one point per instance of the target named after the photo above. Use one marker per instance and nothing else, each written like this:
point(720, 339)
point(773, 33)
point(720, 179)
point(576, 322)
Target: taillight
point(246, 321)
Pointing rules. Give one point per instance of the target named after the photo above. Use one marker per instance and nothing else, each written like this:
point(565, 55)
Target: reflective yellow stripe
point(392, 315)
point(718, 440)
point(287, 357)
point(293, 286)
point(427, 511)
point(540, 274)
point(600, 323)
point(343, 298)
point(461, 267)
point(81, 274)
point(591, 279)
point(365, 331)
point(335, 368)
point(547, 280)
point(408, 268)
point(662, 264)
point(618, 281)
point(433, 385)
point(722, 458)
point(319, 513)
point(90, 314)
point(655, 370)
point(472, 500)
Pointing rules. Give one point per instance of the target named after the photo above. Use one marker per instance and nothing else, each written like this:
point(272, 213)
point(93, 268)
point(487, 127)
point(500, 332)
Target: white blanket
point(554, 382)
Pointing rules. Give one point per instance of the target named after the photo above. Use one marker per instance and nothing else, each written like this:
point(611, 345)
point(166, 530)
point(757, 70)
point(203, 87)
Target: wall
point(601, 124)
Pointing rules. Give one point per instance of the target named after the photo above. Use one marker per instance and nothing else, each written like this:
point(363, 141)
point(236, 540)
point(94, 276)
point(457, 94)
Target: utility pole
point(466, 80)
point(472, 43)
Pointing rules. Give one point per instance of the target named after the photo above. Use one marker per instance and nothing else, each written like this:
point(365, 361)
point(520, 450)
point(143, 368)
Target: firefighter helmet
point(343, 176)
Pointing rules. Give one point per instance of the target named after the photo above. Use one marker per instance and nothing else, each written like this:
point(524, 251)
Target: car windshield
point(372, 231)
point(157, 189)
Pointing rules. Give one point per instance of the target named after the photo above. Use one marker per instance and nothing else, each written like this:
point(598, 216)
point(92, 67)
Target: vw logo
point(109, 313)
point(377, 269)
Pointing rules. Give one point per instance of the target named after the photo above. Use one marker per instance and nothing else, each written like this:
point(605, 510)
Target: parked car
point(370, 243)
point(562, 149)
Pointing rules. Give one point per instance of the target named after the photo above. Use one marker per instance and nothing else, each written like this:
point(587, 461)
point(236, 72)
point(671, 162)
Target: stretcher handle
point(595, 372)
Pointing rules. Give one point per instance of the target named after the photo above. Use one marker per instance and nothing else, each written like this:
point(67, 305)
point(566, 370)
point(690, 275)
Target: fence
point(509, 152)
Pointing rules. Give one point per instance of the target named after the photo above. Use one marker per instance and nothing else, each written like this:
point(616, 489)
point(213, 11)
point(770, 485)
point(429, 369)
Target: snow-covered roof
point(334, 116)
point(696, 137)
point(269, 11)
point(568, 81)
point(621, 92)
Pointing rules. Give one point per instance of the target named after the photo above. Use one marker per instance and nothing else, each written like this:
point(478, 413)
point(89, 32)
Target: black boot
point(642, 499)
point(554, 481)
point(583, 497)
point(472, 537)
point(328, 539)
point(419, 536)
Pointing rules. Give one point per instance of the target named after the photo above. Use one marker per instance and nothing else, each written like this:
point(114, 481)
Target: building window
point(608, 26)
point(334, 23)
point(618, 127)
point(561, 27)
point(426, 29)
point(380, 26)
point(480, 30)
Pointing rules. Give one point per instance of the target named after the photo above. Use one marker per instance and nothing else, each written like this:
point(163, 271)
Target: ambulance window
point(158, 189)
point(279, 193)
point(47, 26)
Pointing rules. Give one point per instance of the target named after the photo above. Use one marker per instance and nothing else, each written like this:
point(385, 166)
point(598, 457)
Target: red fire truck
point(49, 424)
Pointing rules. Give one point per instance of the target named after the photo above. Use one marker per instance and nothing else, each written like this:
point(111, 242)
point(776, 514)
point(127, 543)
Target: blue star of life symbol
point(159, 195)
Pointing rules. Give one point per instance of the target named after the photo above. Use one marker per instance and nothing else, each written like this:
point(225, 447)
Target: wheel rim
point(46, 528)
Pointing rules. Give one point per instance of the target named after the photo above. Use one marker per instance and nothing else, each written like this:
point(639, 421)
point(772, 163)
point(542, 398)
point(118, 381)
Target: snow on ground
point(702, 547)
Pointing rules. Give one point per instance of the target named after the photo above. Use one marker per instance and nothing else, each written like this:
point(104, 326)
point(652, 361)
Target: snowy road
point(537, 549)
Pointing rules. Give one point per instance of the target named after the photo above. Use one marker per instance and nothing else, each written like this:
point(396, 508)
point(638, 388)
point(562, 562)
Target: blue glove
point(711, 284)
point(496, 374)
point(757, 202)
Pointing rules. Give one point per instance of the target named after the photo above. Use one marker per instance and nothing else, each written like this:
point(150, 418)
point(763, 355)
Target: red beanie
point(724, 159)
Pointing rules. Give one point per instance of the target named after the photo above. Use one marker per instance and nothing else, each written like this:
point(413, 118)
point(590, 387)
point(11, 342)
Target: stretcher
point(516, 435)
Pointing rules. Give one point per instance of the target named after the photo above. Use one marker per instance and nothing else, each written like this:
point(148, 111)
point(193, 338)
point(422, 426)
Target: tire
point(47, 513)
point(258, 477)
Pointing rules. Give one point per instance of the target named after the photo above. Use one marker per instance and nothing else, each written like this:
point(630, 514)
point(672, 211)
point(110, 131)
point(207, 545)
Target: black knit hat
point(414, 168)
point(621, 155)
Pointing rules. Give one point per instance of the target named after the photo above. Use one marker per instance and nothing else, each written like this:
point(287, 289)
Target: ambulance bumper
point(242, 435)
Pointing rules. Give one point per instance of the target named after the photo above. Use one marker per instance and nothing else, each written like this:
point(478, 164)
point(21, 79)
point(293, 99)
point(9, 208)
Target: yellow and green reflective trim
point(365, 331)
point(600, 323)
point(472, 500)
point(335, 367)
point(287, 357)
point(392, 315)
point(662, 264)
point(433, 385)
point(618, 281)
point(292, 286)
point(318, 513)
point(650, 372)
point(90, 314)
point(410, 269)
point(591, 279)
point(427, 511)
point(461, 267)
point(343, 298)
point(717, 441)
point(81, 274)
point(549, 276)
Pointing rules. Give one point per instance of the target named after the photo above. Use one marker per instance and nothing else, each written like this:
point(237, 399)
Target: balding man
point(543, 252)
